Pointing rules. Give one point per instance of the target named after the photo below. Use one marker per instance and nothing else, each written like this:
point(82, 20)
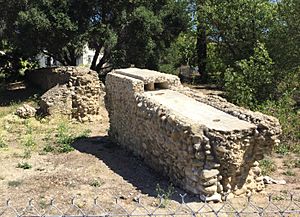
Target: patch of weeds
point(27, 154)
point(48, 148)
point(85, 134)
point(297, 163)
point(165, 194)
point(24, 166)
point(14, 184)
point(278, 198)
point(96, 183)
point(48, 136)
point(28, 126)
point(292, 163)
point(282, 149)
point(2, 143)
point(63, 134)
point(64, 139)
point(64, 148)
point(289, 173)
point(267, 166)
point(43, 204)
point(29, 141)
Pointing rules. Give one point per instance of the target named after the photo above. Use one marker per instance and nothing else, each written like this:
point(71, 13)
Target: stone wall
point(207, 146)
point(73, 91)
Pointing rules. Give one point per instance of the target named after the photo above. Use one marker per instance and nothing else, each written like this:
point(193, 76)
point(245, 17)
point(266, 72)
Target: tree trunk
point(95, 58)
point(201, 41)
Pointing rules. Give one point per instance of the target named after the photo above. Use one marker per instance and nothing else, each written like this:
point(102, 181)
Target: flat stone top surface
point(198, 112)
point(146, 75)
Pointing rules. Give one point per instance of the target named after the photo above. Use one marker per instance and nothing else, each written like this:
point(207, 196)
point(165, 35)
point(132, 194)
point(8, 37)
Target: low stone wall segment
point(195, 156)
point(73, 91)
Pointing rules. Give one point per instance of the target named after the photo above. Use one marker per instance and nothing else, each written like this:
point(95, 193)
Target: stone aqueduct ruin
point(201, 142)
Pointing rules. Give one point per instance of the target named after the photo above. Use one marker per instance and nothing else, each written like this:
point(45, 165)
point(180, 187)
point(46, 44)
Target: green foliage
point(181, 52)
point(84, 134)
point(24, 166)
point(126, 32)
point(282, 149)
point(284, 35)
point(48, 148)
point(165, 194)
point(64, 148)
point(289, 173)
point(64, 139)
point(215, 65)
point(267, 166)
point(2, 142)
point(96, 183)
point(251, 81)
point(237, 25)
point(63, 134)
point(27, 154)
point(292, 163)
point(288, 115)
point(29, 141)
point(14, 184)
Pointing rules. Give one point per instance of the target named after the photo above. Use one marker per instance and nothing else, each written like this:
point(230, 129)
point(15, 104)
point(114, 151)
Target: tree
point(284, 41)
point(202, 39)
point(252, 80)
point(125, 32)
point(237, 25)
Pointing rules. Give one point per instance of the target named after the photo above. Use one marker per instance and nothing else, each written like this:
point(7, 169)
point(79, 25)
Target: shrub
point(288, 115)
point(251, 81)
point(63, 134)
point(165, 194)
point(267, 166)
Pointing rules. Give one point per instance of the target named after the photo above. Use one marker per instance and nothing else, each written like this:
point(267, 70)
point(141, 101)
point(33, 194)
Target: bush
point(251, 81)
point(288, 115)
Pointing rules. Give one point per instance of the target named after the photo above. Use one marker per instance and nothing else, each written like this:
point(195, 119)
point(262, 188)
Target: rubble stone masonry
point(202, 143)
point(73, 91)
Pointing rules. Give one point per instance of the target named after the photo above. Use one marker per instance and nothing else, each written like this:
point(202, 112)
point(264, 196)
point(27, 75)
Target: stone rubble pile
point(73, 91)
point(201, 158)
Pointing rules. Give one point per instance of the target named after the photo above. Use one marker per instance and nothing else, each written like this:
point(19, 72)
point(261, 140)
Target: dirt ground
point(95, 168)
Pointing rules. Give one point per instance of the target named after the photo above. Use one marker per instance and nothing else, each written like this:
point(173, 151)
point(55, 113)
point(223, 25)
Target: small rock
point(136, 199)
point(210, 182)
point(269, 180)
point(26, 111)
point(240, 191)
point(208, 174)
point(256, 164)
point(213, 198)
point(197, 146)
point(228, 196)
point(211, 189)
point(256, 171)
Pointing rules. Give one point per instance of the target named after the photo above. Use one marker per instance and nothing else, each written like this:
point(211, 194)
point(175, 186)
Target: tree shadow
point(17, 92)
point(130, 167)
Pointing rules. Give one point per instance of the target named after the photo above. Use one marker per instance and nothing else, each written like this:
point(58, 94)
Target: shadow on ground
point(17, 92)
point(131, 168)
